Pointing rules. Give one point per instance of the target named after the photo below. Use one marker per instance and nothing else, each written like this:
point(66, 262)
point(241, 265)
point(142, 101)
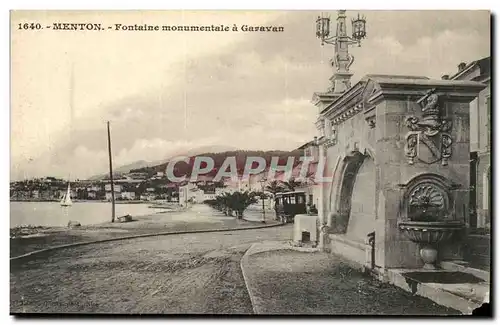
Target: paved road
point(199, 273)
point(192, 273)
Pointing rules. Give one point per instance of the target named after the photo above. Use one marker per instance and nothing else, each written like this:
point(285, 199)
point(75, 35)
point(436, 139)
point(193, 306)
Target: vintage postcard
point(250, 162)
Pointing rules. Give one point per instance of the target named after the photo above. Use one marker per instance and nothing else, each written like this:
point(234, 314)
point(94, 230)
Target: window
point(300, 199)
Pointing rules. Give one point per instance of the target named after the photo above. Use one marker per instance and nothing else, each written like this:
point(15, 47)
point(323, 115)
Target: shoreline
point(27, 238)
point(96, 201)
point(135, 218)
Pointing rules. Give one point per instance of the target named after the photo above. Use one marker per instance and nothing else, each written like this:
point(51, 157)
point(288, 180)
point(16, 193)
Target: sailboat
point(66, 199)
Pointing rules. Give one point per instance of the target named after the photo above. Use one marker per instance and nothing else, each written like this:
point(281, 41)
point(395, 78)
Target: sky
point(165, 93)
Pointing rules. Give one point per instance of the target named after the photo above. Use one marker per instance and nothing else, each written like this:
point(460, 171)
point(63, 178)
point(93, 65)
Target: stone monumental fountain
point(397, 150)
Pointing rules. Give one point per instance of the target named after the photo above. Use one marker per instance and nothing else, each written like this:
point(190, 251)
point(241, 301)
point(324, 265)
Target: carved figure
point(431, 125)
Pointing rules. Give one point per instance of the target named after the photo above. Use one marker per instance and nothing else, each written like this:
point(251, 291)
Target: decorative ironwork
point(359, 28)
point(322, 27)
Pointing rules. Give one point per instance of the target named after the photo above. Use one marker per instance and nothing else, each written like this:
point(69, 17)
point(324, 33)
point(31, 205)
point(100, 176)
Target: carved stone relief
point(430, 131)
point(371, 120)
point(427, 202)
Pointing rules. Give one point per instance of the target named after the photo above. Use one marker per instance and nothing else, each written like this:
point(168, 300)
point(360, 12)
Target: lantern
point(359, 28)
point(322, 27)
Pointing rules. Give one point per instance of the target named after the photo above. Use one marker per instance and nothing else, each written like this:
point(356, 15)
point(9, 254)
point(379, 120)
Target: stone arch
point(342, 197)
point(334, 188)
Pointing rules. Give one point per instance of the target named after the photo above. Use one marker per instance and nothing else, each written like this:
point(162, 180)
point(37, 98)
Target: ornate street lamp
point(358, 29)
point(322, 28)
point(342, 59)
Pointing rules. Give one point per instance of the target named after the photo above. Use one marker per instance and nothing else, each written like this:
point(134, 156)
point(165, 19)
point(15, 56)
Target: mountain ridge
point(182, 168)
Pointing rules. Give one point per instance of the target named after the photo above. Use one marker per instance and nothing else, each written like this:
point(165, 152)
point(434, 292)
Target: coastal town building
point(480, 141)
point(310, 184)
point(127, 195)
point(185, 193)
point(35, 194)
point(117, 188)
point(478, 245)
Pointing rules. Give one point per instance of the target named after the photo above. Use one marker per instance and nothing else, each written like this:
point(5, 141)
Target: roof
point(390, 76)
point(484, 65)
point(286, 193)
point(305, 145)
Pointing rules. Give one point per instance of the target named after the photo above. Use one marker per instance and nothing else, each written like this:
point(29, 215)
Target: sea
point(52, 214)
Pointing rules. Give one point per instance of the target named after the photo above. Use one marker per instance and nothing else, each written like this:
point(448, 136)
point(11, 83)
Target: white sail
point(66, 200)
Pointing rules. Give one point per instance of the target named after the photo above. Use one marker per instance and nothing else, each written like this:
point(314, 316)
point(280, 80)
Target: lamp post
point(342, 59)
point(262, 182)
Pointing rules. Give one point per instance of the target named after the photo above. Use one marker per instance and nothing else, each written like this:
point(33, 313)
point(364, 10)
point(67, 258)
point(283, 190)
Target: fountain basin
point(428, 234)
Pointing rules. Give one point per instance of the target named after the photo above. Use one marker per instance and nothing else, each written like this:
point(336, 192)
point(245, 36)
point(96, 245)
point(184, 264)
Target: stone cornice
point(323, 97)
point(327, 142)
point(320, 122)
point(346, 114)
point(412, 89)
point(357, 98)
point(343, 99)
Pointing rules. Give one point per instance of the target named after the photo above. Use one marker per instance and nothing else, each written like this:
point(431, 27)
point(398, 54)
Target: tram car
point(288, 205)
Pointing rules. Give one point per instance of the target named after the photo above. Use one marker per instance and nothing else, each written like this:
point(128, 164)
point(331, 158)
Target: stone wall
point(370, 156)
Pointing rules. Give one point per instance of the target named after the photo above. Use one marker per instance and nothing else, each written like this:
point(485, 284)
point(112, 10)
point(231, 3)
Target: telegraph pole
point(111, 177)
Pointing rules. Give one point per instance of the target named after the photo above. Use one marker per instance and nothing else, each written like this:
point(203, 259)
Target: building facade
point(480, 141)
point(126, 195)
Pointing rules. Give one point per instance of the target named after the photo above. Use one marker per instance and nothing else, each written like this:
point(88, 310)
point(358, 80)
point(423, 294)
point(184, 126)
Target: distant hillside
point(142, 164)
point(123, 169)
point(182, 168)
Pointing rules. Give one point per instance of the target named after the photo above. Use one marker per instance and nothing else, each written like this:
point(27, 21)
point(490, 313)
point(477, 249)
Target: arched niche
point(363, 209)
point(341, 197)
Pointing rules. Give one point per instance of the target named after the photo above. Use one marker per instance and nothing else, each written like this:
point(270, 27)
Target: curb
point(49, 249)
point(244, 260)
